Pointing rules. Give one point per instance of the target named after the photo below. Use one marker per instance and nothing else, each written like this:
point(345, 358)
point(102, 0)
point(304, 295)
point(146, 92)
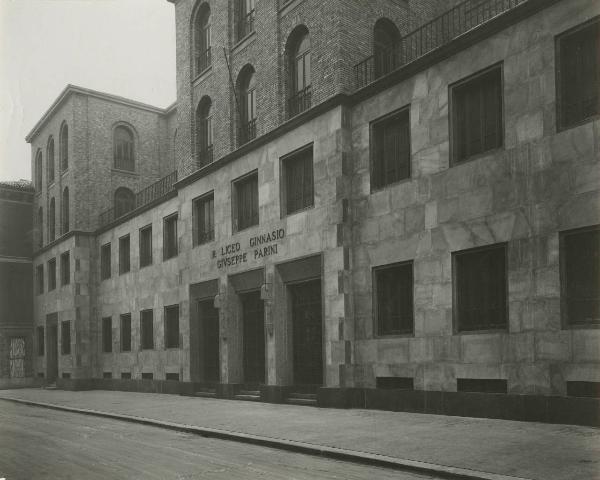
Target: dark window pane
point(170, 237)
point(391, 150)
point(203, 219)
point(126, 332)
point(477, 115)
point(581, 276)
point(65, 332)
point(481, 385)
point(107, 334)
point(394, 299)
point(65, 268)
point(299, 183)
point(147, 329)
point(172, 326)
point(247, 202)
point(481, 289)
point(52, 274)
point(146, 246)
point(41, 340)
point(124, 254)
point(105, 260)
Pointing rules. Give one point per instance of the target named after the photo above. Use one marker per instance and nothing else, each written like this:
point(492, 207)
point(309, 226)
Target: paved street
point(37, 443)
point(521, 449)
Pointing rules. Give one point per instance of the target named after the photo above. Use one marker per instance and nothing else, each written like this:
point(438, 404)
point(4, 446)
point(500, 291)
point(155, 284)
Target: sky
point(122, 47)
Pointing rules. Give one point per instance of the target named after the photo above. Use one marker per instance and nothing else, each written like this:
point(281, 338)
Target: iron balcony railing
point(245, 25)
point(153, 192)
point(299, 102)
point(203, 60)
point(440, 31)
point(247, 132)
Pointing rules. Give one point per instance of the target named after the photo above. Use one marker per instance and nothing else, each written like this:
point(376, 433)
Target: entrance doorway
point(208, 317)
point(307, 332)
point(253, 319)
point(52, 348)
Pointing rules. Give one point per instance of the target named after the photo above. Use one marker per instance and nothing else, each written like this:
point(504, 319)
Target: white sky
point(123, 47)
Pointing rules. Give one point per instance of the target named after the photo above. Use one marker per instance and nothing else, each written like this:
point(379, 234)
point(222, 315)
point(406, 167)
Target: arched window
point(300, 71)
point(64, 147)
point(202, 57)
point(38, 171)
point(123, 146)
point(386, 40)
point(247, 104)
point(40, 227)
point(244, 10)
point(65, 210)
point(204, 132)
point(50, 159)
point(51, 220)
point(124, 201)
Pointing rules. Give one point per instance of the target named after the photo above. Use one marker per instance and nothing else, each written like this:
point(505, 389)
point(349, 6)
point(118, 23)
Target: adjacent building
point(390, 204)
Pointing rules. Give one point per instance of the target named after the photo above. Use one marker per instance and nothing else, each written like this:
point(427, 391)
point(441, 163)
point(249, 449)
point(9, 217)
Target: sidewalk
point(477, 446)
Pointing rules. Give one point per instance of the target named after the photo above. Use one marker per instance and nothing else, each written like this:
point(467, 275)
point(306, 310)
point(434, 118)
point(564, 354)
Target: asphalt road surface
point(38, 443)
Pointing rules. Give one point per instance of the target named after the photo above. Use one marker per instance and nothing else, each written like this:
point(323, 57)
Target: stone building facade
point(384, 204)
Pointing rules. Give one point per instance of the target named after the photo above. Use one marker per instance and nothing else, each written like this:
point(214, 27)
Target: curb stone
point(335, 453)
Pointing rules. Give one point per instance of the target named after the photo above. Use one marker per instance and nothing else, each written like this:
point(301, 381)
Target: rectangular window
point(51, 274)
point(126, 376)
point(578, 74)
point(40, 340)
point(124, 255)
point(170, 237)
point(580, 276)
point(126, 332)
point(172, 326)
point(481, 385)
point(477, 123)
point(39, 278)
point(203, 213)
point(106, 375)
point(172, 376)
point(147, 376)
point(65, 336)
point(480, 288)
point(66, 375)
point(246, 202)
point(395, 383)
point(147, 329)
point(583, 389)
point(105, 260)
point(107, 334)
point(298, 182)
point(146, 246)
point(393, 292)
point(65, 268)
point(390, 149)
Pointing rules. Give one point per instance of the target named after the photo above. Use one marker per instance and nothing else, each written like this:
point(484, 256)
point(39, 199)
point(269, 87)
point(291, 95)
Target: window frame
point(63, 147)
point(143, 329)
point(122, 162)
point(374, 127)
point(107, 336)
point(196, 204)
point(39, 279)
point(41, 340)
point(167, 327)
point(456, 326)
point(105, 261)
point(65, 273)
point(452, 121)
point(560, 126)
point(235, 184)
point(299, 154)
point(50, 161)
point(173, 250)
point(122, 330)
point(124, 260)
point(65, 337)
point(146, 258)
point(564, 312)
point(51, 274)
point(375, 271)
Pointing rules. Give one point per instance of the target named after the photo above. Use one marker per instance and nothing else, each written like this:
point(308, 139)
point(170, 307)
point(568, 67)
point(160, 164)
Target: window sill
point(295, 212)
point(144, 349)
point(389, 185)
point(239, 230)
point(581, 326)
point(477, 156)
point(125, 172)
point(384, 336)
point(563, 128)
point(482, 332)
point(202, 75)
point(125, 351)
point(165, 259)
point(145, 265)
point(172, 348)
point(245, 41)
point(203, 244)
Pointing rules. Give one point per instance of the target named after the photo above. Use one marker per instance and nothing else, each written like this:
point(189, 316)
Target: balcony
point(149, 194)
point(247, 132)
point(299, 102)
point(440, 31)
